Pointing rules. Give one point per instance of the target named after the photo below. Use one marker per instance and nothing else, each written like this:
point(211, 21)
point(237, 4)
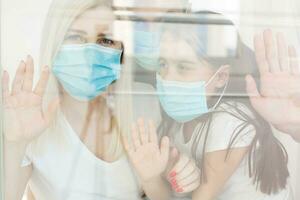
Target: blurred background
point(22, 22)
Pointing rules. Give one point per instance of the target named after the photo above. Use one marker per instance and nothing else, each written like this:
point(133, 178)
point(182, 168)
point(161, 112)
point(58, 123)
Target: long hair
point(60, 17)
point(267, 158)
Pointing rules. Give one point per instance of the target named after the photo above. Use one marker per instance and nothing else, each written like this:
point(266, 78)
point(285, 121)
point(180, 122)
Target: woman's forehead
point(99, 19)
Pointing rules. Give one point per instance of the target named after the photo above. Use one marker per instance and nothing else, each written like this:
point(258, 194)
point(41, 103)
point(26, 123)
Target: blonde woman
point(73, 149)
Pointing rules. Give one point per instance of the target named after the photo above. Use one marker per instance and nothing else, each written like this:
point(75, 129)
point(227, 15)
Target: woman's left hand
point(146, 155)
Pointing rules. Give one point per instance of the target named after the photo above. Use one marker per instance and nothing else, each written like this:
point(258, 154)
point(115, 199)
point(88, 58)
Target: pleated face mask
point(184, 101)
point(86, 70)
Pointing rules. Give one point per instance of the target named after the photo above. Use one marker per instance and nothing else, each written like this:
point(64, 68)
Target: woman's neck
point(77, 112)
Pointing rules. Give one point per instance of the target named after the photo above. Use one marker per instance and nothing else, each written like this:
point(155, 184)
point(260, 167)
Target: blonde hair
point(60, 16)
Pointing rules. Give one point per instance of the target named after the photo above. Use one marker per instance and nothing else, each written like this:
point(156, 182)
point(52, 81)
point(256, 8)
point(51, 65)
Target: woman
point(73, 150)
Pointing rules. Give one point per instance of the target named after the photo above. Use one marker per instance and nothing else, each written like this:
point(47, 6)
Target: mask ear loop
point(222, 94)
point(224, 89)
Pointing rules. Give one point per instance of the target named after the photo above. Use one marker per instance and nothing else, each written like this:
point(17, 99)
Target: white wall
point(21, 25)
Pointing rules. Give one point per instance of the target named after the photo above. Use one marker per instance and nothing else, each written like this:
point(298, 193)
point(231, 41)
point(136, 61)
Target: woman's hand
point(279, 98)
point(184, 177)
point(24, 118)
point(148, 158)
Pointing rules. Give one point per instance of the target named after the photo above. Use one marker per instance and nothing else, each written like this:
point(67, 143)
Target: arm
point(296, 134)
point(23, 121)
point(157, 189)
point(278, 98)
point(218, 171)
point(16, 177)
point(149, 159)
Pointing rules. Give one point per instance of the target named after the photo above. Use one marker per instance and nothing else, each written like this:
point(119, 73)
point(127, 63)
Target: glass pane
point(140, 99)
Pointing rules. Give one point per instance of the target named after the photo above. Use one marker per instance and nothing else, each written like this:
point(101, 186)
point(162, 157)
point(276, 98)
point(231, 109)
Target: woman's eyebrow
point(78, 31)
point(101, 34)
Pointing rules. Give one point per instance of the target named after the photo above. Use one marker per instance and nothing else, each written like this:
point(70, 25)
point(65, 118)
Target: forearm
point(292, 129)
point(15, 176)
point(157, 189)
point(205, 192)
point(296, 134)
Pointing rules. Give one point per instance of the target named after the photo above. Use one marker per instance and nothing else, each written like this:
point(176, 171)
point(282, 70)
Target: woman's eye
point(105, 42)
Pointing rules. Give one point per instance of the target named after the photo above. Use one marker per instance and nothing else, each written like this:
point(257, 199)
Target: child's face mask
point(184, 101)
point(86, 70)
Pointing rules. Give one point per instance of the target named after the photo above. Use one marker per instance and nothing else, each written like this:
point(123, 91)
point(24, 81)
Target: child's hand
point(184, 177)
point(148, 158)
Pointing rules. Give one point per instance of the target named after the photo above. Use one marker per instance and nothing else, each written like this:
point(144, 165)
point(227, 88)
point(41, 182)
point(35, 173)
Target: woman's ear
point(222, 76)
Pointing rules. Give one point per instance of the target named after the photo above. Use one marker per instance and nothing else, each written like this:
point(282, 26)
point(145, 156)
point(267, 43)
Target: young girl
point(73, 150)
point(234, 147)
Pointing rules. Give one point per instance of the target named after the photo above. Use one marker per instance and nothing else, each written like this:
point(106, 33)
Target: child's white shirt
point(222, 130)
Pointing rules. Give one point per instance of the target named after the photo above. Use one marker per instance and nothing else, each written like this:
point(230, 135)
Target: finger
point(282, 53)
point(174, 155)
point(135, 137)
point(5, 86)
point(128, 148)
point(42, 83)
point(187, 171)
point(189, 188)
point(52, 109)
point(271, 53)
point(294, 64)
point(260, 54)
point(29, 70)
point(189, 179)
point(182, 162)
point(19, 79)
point(152, 132)
point(165, 148)
point(142, 131)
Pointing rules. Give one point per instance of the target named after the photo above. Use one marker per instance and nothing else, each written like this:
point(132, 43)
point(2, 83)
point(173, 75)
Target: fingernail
point(179, 190)
point(174, 185)
point(173, 181)
point(172, 174)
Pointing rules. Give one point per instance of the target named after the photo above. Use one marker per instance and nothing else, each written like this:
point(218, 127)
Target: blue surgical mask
point(86, 70)
point(184, 101)
point(147, 46)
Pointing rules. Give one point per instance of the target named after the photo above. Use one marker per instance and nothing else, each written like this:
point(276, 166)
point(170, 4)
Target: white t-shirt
point(223, 126)
point(66, 170)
